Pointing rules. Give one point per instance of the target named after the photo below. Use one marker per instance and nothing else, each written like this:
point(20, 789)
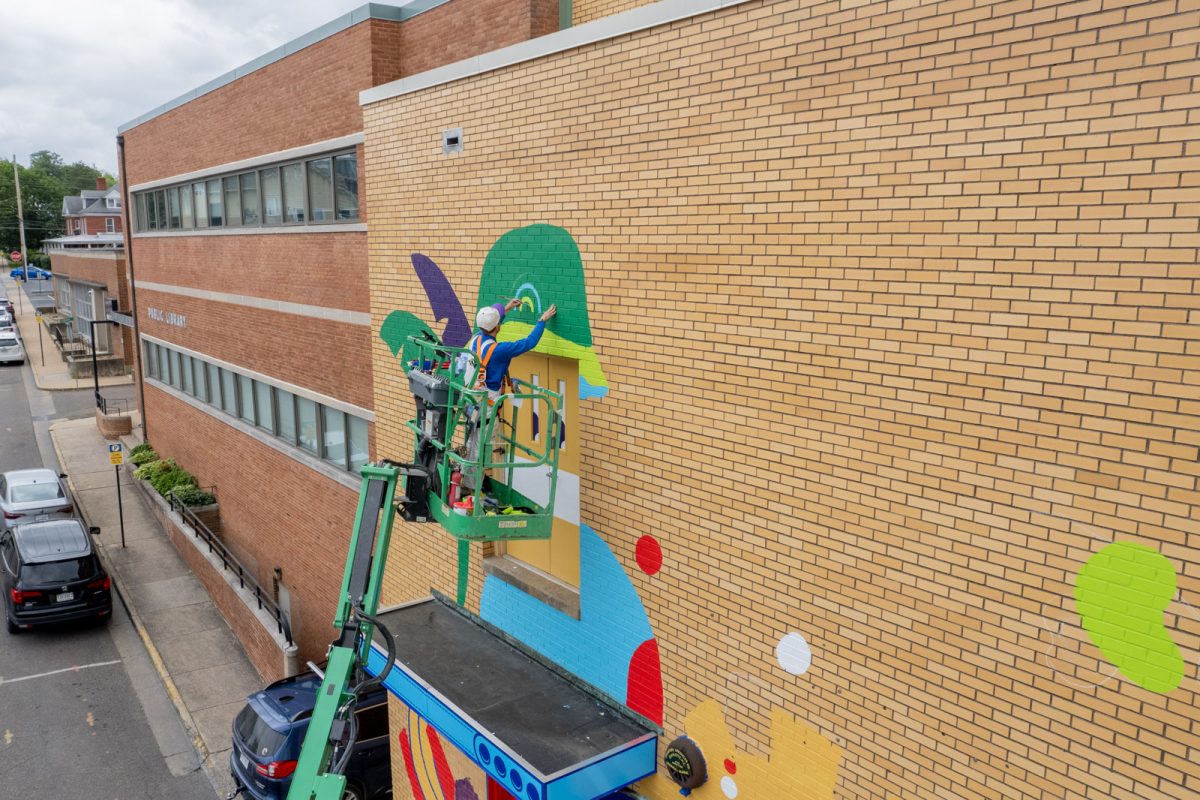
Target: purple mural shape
point(463, 790)
point(443, 302)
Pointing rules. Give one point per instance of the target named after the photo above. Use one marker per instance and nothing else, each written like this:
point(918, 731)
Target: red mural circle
point(730, 767)
point(649, 554)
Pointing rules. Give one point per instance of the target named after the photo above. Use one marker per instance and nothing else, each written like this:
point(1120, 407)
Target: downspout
point(127, 221)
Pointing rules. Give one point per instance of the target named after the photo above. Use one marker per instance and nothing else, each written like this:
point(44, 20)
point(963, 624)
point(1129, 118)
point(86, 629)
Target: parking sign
point(116, 454)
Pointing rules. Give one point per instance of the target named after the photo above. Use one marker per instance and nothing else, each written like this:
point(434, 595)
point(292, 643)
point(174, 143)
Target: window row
point(328, 433)
point(318, 190)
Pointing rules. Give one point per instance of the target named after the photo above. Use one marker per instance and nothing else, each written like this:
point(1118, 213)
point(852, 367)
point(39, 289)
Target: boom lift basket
point(457, 429)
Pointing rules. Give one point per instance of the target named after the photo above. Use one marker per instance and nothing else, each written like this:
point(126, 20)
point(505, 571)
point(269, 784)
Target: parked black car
point(269, 732)
point(49, 572)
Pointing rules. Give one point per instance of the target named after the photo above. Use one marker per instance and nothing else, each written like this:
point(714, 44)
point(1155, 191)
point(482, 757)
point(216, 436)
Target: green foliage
point(163, 482)
point(145, 471)
point(192, 495)
point(142, 454)
point(44, 184)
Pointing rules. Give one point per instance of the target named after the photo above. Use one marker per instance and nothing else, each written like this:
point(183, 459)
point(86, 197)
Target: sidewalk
point(54, 375)
point(202, 666)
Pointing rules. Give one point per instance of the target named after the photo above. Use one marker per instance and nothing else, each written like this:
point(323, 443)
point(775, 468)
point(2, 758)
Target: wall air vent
point(452, 140)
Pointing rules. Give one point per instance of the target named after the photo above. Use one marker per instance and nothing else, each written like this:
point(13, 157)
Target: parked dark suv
point(50, 573)
point(269, 731)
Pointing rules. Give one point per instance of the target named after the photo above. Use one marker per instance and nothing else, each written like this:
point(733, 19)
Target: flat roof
point(396, 13)
point(538, 732)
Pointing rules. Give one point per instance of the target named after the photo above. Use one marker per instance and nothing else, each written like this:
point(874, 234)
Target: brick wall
point(588, 10)
point(897, 305)
point(90, 225)
point(105, 268)
point(465, 28)
point(274, 511)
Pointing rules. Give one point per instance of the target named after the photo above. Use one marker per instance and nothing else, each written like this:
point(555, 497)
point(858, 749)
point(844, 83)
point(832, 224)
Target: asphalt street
point(82, 711)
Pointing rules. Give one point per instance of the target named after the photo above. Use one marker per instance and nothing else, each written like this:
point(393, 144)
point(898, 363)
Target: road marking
point(59, 671)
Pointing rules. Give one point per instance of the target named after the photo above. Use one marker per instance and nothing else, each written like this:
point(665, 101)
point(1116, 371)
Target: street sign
point(116, 454)
point(38, 319)
point(15, 255)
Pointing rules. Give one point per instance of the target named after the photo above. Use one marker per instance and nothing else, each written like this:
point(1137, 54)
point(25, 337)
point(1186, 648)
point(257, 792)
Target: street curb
point(185, 716)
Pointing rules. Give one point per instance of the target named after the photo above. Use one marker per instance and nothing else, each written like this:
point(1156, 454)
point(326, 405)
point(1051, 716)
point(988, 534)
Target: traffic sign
point(116, 454)
point(15, 255)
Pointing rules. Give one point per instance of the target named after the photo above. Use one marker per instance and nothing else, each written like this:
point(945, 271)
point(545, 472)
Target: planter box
point(210, 515)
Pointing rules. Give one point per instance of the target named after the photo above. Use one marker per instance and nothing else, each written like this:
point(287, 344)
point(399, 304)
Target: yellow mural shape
point(803, 764)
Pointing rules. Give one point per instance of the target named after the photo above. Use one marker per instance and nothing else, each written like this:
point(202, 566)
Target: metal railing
point(116, 405)
point(230, 563)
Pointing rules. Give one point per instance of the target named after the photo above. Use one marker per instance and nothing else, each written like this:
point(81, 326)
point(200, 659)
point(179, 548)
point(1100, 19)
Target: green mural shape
point(396, 329)
point(1121, 594)
point(541, 265)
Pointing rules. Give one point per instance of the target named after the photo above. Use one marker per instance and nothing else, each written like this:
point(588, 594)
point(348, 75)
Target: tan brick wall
point(897, 303)
point(588, 10)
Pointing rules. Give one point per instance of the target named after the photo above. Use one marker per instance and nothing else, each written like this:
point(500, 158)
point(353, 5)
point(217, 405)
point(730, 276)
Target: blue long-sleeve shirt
point(505, 352)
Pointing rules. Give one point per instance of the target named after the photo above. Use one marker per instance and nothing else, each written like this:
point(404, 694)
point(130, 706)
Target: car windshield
point(34, 492)
point(257, 735)
point(72, 569)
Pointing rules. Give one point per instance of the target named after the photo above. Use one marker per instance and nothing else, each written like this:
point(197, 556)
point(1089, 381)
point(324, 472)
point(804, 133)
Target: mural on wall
point(803, 764)
point(612, 645)
point(1121, 594)
point(435, 772)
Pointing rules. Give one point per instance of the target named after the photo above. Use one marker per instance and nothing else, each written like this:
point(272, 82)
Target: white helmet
point(487, 318)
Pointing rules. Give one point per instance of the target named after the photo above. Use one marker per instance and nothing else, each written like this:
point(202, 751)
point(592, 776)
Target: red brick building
point(249, 248)
point(93, 211)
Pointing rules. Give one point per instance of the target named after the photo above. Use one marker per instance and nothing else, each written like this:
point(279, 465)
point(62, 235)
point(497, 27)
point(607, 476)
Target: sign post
point(116, 457)
point(41, 348)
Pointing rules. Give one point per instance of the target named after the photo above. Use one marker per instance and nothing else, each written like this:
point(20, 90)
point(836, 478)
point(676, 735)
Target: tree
point(44, 183)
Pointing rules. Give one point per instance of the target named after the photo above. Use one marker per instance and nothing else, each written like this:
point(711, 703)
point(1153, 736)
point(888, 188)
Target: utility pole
point(20, 216)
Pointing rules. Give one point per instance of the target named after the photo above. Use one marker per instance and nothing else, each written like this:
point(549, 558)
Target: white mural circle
point(794, 654)
point(729, 787)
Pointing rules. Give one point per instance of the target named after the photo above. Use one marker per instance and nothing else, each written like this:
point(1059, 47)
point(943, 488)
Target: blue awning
point(535, 730)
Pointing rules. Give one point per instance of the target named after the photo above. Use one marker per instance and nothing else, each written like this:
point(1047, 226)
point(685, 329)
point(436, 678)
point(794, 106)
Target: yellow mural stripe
point(422, 758)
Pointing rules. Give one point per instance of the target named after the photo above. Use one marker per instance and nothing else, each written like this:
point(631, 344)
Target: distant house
point(93, 211)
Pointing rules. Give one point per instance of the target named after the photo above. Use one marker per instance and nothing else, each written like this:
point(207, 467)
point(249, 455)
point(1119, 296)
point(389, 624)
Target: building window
point(112, 202)
point(201, 197)
point(233, 202)
point(250, 214)
point(214, 204)
point(285, 408)
point(323, 189)
point(320, 190)
point(293, 193)
point(228, 393)
point(110, 225)
point(334, 435)
point(160, 209)
point(173, 206)
point(186, 217)
point(265, 409)
point(345, 181)
point(272, 197)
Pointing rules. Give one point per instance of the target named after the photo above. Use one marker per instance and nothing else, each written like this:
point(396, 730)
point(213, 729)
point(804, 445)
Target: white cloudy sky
point(72, 71)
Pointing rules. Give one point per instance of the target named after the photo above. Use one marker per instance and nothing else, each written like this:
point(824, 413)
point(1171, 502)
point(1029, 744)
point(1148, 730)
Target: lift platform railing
point(458, 428)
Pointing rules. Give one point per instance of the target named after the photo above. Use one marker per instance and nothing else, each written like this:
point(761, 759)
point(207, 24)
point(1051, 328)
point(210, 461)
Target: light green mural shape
point(541, 264)
point(1121, 594)
point(396, 329)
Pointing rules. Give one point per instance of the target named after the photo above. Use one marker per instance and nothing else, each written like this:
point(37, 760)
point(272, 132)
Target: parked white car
point(33, 495)
point(11, 350)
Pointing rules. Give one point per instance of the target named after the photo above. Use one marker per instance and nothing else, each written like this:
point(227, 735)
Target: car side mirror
point(94, 530)
point(62, 475)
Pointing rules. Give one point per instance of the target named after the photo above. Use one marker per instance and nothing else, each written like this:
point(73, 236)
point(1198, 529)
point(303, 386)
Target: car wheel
point(8, 623)
point(352, 792)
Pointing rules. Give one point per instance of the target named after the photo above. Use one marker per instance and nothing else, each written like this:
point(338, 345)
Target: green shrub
point(151, 468)
point(192, 495)
point(144, 447)
point(139, 457)
point(164, 482)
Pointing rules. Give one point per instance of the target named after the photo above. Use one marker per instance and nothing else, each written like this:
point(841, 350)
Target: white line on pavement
point(59, 671)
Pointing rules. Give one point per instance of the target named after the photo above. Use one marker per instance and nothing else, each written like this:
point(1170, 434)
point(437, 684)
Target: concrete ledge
point(267, 649)
point(552, 592)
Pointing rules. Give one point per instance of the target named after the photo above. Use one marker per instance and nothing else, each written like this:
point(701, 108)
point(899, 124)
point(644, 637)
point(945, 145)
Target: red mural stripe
point(444, 775)
point(408, 766)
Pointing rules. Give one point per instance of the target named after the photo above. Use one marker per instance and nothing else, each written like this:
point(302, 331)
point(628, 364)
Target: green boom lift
point(467, 462)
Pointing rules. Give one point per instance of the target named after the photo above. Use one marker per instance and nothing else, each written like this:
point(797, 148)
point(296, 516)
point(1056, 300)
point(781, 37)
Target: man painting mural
point(494, 358)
